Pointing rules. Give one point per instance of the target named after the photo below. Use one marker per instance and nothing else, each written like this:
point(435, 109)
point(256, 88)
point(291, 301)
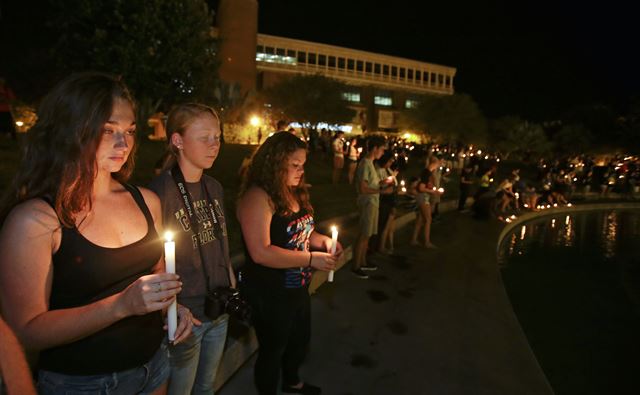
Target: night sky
point(536, 60)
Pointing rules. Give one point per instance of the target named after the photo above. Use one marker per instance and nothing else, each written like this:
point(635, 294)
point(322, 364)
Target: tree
point(163, 48)
point(573, 139)
point(310, 99)
point(455, 117)
point(513, 136)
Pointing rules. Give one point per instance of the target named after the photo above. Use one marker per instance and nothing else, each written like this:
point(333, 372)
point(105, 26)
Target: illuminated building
point(380, 85)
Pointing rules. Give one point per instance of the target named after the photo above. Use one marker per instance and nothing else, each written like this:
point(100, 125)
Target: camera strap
point(187, 201)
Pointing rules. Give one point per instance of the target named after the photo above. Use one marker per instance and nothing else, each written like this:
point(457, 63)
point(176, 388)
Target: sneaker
point(369, 266)
point(360, 274)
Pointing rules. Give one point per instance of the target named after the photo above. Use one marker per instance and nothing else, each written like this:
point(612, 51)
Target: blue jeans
point(141, 380)
point(194, 361)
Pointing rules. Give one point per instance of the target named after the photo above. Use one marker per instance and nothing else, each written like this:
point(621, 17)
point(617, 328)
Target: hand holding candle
point(170, 267)
point(334, 244)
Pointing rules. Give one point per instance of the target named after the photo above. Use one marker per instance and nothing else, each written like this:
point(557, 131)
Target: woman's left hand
point(186, 320)
point(327, 246)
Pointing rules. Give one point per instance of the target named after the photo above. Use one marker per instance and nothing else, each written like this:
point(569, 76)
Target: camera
point(223, 300)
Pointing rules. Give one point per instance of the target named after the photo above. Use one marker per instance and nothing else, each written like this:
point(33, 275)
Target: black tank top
point(291, 232)
point(84, 273)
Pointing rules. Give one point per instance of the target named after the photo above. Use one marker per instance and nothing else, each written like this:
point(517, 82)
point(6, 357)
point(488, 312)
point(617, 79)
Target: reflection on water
point(574, 284)
point(616, 230)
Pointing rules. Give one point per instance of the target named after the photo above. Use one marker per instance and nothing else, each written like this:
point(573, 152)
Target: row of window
point(380, 100)
point(292, 57)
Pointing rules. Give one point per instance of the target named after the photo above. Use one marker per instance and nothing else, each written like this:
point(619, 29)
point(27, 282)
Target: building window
point(353, 97)
point(402, 73)
point(385, 69)
point(322, 60)
point(359, 65)
point(418, 75)
point(369, 67)
point(269, 50)
point(376, 68)
point(341, 63)
point(269, 57)
point(440, 79)
point(280, 52)
point(312, 58)
point(383, 100)
point(447, 81)
point(410, 74)
point(433, 79)
point(260, 49)
point(394, 71)
point(332, 61)
point(291, 53)
point(350, 64)
point(410, 103)
point(302, 57)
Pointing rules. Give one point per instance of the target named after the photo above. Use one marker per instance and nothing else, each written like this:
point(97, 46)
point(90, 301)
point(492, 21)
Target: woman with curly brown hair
point(282, 250)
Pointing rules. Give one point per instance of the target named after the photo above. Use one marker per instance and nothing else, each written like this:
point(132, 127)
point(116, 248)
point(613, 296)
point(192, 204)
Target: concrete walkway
point(427, 322)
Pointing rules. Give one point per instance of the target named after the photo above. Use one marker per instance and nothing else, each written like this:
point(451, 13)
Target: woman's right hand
point(323, 261)
point(149, 293)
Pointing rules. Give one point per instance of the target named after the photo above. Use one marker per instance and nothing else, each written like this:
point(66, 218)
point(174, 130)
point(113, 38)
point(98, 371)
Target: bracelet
point(310, 257)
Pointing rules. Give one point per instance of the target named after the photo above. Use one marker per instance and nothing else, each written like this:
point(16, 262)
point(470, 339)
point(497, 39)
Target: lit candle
point(404, 190)
point(441, 190)
point(334, 244)
point(170, 267)
point(402, 183)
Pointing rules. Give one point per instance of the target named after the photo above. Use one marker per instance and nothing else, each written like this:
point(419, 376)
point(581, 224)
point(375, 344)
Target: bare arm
point(28, 239)
point(254, 214)
point(13, 364)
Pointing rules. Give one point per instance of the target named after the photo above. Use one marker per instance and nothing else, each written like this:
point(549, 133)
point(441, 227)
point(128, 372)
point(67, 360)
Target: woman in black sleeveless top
point(81, 273)
point(278, 231)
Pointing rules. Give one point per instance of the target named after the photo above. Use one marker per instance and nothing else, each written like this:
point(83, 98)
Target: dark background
point(536, 60)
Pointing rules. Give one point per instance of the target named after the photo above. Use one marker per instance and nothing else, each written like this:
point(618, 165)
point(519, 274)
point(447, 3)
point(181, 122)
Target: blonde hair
point(179, 119)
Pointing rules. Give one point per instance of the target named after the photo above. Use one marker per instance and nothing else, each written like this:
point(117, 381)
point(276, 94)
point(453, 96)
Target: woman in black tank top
point(278, 231)
point(81, 273)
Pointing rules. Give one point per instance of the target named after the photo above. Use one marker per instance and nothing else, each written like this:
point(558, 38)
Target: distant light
point(19, 123)
point(255, 121)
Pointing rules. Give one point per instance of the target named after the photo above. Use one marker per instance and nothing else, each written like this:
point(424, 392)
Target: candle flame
point(168, 236)
point(334, 229)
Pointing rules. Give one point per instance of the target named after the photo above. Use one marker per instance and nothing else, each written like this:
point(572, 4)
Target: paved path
point(427, 322)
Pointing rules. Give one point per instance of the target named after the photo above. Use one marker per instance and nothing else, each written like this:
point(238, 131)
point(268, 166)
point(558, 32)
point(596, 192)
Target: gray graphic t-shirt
point(215, 250)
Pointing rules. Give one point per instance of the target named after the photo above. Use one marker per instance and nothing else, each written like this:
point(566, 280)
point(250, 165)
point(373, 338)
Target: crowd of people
point(84, 287)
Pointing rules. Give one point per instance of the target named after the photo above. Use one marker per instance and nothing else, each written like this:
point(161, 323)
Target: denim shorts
point(141, 380)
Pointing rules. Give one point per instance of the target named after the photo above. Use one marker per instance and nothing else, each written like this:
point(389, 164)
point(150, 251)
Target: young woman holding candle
point(388, 197)
point(425, 190)
point(282, 250)
point(202, 247)
point(81, 273)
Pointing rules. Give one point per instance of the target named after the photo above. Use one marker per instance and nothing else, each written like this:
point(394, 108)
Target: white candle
point(170, 267)
point(334, 244)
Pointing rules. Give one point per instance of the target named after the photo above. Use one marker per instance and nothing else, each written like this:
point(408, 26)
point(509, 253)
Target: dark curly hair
point(268, 170)
point(59, 162)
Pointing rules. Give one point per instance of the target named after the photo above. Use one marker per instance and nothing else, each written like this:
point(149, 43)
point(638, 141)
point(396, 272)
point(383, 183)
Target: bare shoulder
point(152, 200)
point(255, 196)
point(31, 217)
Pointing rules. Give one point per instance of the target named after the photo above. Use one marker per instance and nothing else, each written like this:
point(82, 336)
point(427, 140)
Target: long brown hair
point(269, 168)
point(59, 161)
